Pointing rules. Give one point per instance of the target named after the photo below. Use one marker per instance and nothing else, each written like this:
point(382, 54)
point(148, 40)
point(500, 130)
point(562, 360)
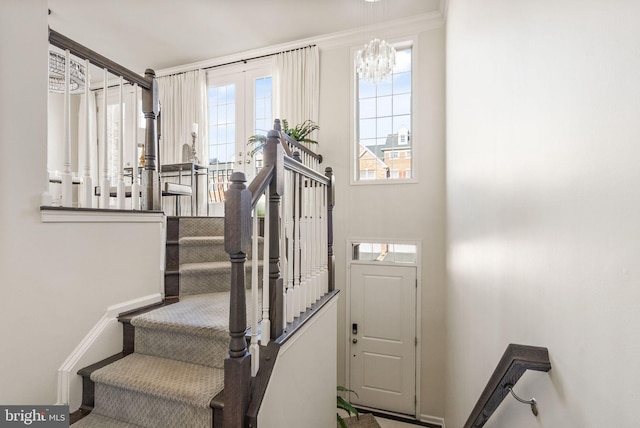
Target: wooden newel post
point(150, 179)
point(331, 198)
point(237, 240)
point(274, 155)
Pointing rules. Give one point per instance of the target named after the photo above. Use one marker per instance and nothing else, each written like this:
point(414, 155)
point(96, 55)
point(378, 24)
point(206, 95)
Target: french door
point(239, 106)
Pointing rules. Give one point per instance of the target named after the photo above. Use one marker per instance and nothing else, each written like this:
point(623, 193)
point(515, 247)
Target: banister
point(260, 183)
point(514, 362)
point(64, 43)
point(293, 165)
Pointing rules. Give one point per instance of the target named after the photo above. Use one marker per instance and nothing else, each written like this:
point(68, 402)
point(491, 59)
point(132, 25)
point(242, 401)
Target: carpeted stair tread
point(95, 420)
point(193, 330)
point(180, 382)
point(200, 315)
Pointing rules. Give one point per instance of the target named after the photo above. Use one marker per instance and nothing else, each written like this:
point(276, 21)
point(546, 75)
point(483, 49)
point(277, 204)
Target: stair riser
point(208, 251)
point(207, 351)
point(196, 226)
point(148, 411)
point(203, 253)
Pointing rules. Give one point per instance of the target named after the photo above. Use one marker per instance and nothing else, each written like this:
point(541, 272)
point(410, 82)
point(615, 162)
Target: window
point(383, 119)
point(388, 252)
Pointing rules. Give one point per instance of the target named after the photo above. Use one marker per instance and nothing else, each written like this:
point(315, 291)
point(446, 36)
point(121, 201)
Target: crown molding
point(392, 29)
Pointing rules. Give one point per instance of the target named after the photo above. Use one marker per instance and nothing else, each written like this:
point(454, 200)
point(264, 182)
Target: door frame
point(347, 327)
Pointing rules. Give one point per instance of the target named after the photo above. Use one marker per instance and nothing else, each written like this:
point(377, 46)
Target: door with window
point(383, 327)
point(239, 106)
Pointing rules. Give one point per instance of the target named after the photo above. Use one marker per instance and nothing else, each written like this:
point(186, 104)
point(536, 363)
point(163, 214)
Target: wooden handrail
point(514, 362)
point(150, 107)
point(83, 52)
point(260, 183)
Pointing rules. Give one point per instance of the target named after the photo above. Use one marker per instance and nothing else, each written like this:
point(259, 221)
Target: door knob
point(355, 340)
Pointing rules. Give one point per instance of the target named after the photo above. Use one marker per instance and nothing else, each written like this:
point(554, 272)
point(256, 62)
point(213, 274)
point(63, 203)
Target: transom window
point(383, 118)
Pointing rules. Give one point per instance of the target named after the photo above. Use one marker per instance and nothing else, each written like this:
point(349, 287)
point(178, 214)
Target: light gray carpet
point(177, 367)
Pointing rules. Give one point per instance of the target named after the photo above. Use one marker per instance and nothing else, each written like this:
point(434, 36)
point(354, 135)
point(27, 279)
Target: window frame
point(354, 179)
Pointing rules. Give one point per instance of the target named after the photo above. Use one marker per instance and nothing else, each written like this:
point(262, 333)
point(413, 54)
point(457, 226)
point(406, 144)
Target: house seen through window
point(384, 142)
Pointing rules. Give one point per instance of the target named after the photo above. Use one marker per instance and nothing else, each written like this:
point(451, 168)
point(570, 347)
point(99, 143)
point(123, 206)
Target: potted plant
point(299, 133)
point(346, 406)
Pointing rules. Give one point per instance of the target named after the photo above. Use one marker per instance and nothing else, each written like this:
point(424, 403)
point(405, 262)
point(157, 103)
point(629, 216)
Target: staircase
point(170, 373)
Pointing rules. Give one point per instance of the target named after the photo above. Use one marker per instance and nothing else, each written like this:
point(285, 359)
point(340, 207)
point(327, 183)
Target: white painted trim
point(95, 336)
point(432, 420)
point(395, 28)
point(104, 216)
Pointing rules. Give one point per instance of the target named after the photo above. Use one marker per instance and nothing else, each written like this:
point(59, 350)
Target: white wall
point(543, 132)
point(56, 279)
point(302, 388)
point(388, 211)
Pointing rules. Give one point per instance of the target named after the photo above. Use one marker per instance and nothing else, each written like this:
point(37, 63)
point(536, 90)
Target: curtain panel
point(183, 102)
point(296, 82)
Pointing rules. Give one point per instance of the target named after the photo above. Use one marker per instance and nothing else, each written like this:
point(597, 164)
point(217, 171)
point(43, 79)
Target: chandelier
point(375, 61)
point(56, 74)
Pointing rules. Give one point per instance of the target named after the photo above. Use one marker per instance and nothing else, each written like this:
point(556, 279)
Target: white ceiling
point(160, 34)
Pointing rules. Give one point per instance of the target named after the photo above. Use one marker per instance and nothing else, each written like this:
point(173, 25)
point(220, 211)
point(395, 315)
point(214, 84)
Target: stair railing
point(297, 258)
point(150, 188)
point(514, 362)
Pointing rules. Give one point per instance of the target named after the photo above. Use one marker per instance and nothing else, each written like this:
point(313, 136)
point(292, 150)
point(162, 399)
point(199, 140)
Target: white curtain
point(296, 82)
point(183, 102)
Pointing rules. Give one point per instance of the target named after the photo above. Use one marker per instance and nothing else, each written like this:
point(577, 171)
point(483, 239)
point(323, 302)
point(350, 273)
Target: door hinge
point(416, 341)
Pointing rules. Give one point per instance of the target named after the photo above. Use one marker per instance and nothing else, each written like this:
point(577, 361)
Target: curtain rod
point(258, 57)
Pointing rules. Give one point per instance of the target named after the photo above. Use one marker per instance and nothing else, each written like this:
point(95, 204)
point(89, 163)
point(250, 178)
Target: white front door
point(383, 337)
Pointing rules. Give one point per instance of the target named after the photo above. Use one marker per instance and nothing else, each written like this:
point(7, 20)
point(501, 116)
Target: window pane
point(384, 128)
point(402, 104)
point(367, 128)
point(402, 83)
point(384, 106)
point(368, 108)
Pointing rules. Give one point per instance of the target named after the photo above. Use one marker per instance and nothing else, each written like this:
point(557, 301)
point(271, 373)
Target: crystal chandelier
point(56, 74)
point(375, 61)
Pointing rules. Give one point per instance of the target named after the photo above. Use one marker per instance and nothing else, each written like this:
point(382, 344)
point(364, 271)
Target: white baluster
point(283, 253)
point(121, 189)
point(67, 177)
point(105, 183)
point(86, 198)
point(266, 322)
point(288, 213)
point(317, 241)
point(135, 180)
point(306, 245)
point(325, 241)
point(297, 295)
point(254, 349)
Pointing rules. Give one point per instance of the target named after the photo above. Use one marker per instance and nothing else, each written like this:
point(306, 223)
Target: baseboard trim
point(105, 334)
point(433, 420)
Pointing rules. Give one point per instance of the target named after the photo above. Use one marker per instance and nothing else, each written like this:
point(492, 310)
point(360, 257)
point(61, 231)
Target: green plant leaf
point(341, 422)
